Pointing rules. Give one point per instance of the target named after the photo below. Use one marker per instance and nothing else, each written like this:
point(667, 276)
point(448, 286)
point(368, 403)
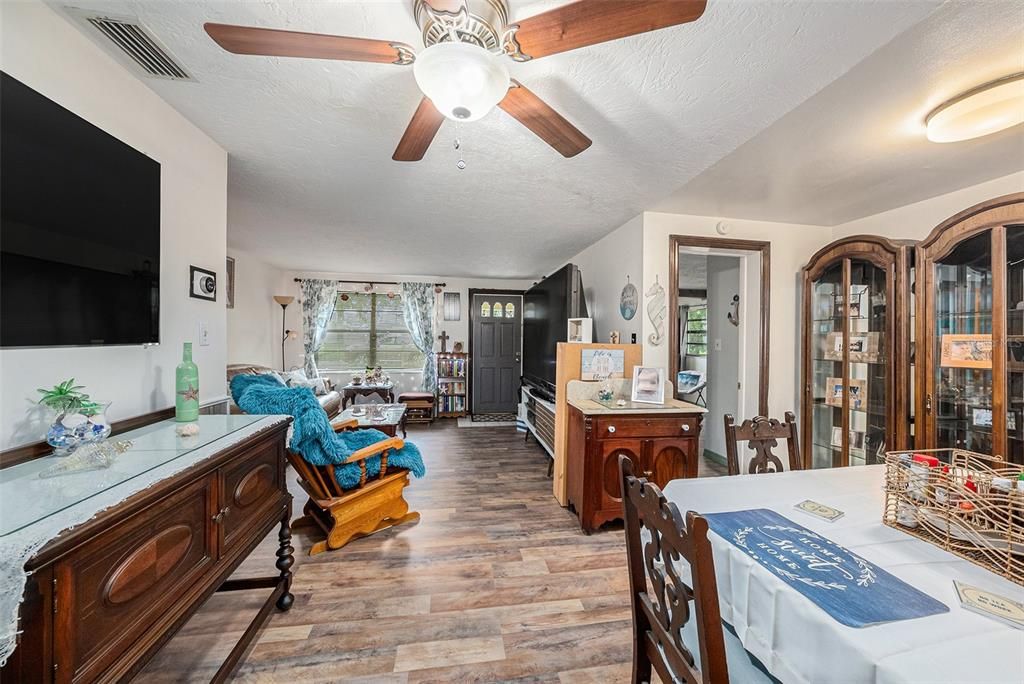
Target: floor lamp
point(284, 301)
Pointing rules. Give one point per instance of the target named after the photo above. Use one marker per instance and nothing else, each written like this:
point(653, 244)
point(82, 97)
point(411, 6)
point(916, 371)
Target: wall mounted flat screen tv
point(547, 308)
point(79, 229)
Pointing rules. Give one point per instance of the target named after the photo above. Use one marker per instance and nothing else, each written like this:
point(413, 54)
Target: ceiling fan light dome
point(463, 81)
point(986, 109)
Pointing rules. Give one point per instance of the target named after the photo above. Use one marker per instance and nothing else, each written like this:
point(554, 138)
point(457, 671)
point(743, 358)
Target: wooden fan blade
point(579, 24)
point(420, 133)
point(549, 125)
point(245, 40)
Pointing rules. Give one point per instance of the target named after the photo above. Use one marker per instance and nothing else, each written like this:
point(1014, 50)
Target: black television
point(547, 308)
point(79, 229)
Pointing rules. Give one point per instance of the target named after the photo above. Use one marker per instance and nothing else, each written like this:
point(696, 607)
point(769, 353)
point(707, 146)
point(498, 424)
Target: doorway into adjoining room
point(719, 320)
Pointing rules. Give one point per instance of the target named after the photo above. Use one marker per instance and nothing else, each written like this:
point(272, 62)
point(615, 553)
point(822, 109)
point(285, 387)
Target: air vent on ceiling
point(136, 42)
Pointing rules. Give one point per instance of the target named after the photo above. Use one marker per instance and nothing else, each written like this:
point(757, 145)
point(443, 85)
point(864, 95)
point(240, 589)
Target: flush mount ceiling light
point(463, 81)
point(462, 72)
point(989, 108)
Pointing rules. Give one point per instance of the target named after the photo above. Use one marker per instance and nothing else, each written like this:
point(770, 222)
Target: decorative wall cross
point(444, 337)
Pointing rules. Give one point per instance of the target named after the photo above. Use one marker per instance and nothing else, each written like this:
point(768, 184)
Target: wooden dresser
point(103, 597)
point(662, 443)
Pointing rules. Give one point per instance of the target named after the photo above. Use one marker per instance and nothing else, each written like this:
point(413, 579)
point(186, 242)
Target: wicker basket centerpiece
point(966, 503)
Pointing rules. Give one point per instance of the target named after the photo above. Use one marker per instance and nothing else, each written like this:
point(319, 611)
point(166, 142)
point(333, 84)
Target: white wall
point(915, 221)
point(458, 331)
point(791, 245)
point(604, 267)
point(254, 324)
point(723, 281)
point(41, 49)
point(750, 335)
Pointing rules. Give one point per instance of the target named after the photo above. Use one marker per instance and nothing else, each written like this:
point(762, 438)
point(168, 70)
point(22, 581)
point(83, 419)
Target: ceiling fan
point(462, 73)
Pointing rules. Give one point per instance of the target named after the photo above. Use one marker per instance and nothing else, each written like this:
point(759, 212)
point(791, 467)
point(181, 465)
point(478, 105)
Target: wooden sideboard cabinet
point(663, 446)
point(106, 595)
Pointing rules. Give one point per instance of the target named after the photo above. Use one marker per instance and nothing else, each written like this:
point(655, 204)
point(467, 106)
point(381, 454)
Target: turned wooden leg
point(285, 560)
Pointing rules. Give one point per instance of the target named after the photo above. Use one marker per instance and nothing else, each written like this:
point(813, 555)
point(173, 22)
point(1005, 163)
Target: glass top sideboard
point(26, 497)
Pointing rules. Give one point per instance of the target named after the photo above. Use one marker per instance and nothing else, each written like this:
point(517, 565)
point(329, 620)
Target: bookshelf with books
point(452, 384)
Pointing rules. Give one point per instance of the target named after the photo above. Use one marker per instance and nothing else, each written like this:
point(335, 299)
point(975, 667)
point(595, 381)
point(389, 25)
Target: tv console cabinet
point(539, 415)
point(105, 595)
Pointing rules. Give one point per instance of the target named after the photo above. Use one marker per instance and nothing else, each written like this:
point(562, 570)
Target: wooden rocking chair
point(345, 515)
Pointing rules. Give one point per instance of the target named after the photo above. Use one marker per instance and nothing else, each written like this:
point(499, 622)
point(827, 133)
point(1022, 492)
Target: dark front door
point(495, 359)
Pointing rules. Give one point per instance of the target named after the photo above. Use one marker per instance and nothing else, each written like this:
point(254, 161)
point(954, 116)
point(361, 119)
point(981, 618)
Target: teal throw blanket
point(312, 435)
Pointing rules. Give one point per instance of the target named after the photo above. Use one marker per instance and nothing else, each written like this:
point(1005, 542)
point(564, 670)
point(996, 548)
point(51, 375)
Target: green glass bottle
point(186, 387)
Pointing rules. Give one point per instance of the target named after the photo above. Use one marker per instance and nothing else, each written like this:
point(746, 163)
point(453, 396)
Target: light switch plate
point(718, 345)
point(204, 334)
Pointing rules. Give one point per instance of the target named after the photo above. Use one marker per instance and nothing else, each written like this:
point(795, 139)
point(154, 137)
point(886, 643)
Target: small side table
point(388, 418)
point(350, 392)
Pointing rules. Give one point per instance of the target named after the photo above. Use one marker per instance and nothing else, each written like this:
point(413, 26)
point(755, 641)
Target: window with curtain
point(368, 330)
point(697, 331)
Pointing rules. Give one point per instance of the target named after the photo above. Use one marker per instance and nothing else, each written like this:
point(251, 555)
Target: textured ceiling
point(312, 185)
point(858, 147)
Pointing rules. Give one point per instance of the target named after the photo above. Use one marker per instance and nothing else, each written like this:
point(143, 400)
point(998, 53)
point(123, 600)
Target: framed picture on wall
point(648, 385)
point(202, 284)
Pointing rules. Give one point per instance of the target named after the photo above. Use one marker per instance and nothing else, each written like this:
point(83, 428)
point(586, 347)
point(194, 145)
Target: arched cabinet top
point(876, 249)
point(971, 221)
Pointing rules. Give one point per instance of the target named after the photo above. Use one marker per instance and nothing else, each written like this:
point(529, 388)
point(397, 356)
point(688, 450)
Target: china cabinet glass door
point(826, 363)
point(868, 365)
point(857, 349)
point(1015, 343)
point(961, 396)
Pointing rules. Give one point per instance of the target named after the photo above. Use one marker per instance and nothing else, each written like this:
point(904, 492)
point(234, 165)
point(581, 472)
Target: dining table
point(797, 641)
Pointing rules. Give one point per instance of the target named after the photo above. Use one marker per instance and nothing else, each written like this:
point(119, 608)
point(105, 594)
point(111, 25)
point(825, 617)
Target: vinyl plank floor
point(496, 583)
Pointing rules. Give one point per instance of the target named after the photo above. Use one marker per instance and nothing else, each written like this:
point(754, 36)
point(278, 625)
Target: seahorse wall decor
point(656, 312)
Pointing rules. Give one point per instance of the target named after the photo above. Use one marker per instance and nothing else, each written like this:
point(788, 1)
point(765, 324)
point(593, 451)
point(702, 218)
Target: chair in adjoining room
point(762, 435)
point(677, 627)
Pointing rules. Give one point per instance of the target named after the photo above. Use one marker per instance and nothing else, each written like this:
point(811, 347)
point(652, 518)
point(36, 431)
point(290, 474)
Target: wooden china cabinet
point(970, 295)
point(857, 314)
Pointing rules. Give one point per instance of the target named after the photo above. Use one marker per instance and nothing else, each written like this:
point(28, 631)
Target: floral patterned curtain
point(318, 298)
point(418, 302)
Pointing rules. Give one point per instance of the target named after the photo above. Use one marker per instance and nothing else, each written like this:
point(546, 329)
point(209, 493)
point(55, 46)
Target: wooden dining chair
point(762, 435)
point(660, 616)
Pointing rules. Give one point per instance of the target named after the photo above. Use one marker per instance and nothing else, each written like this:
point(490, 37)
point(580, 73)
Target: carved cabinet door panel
point(113, 589)
point(611, 487)
point(669, 459)
point(250, 484)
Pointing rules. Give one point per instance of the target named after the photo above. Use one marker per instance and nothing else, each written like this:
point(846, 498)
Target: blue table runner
point(854, 592)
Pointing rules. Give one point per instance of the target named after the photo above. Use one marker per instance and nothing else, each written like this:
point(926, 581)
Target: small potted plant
point(78, 420)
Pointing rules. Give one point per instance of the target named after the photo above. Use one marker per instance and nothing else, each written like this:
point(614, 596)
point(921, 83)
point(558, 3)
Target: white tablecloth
point(799, 642)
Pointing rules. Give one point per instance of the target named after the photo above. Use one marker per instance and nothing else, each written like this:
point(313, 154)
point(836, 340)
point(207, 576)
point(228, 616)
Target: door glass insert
point(961, 397)
point(485, 310)
point(510, 310)
point(828, 304)
point(496, 310)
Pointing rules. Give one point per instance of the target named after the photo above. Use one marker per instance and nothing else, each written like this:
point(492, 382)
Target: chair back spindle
point(762, 436)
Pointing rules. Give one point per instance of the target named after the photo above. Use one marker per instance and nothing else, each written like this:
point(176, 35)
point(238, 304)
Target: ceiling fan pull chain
point(461, 164)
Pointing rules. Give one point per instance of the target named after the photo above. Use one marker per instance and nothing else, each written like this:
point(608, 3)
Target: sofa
point(330, 400)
